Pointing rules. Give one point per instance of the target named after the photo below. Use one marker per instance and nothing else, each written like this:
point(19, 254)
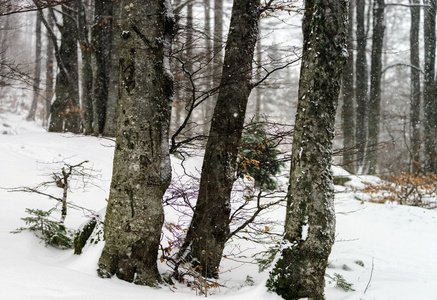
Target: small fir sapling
point(48, 228)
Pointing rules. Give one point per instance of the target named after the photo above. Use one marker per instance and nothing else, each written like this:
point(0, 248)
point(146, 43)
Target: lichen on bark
point(310, 218)
point(141, 171)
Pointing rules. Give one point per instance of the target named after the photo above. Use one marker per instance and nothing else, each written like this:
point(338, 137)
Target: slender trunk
point(112, 107)
point(65, 114)
point(415, 104)
point(429, 93)
point(50, 67)
point(310, 217)
point(208, 108)
point(375, 86)
point(347, 112)
point(209, 228)
point(142, 170)
point(361, 84)
point(87, 72)
point(259, 67)
point(217, 47)
point(37, 76)
point(101, 35)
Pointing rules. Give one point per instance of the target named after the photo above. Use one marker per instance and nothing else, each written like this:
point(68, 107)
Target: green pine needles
point(52, 232)
point(258, 157)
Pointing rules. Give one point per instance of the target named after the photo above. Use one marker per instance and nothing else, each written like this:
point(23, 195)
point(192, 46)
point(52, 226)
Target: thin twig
point(370, 279)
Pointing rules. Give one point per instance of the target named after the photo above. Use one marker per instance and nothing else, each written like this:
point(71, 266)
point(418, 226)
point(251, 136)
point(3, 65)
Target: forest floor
point(386, 251)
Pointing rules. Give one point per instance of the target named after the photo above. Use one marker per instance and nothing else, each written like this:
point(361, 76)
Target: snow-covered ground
point(386, 251)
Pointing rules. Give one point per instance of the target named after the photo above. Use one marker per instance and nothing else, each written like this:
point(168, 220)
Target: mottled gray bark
point(362, 84)
point(142, 170)
point(65, 114)
point(209, 228)
point(112, 107)
point(429, 92)
point(310, 218)
point(37, 76)
point(375, 86)
point(415, 95)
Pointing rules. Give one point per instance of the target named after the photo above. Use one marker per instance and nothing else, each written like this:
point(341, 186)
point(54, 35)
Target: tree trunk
point(87, 72)
point(415, 104)
point(217, 47)
point(347, 112)
point(259, 68)
point(209, 228)
point(310, 218)
point(361, 84)
point(37, 78)
point(112, 107)
point(207, 106)
point(142, 170)
point(65, 114)
point(50, 67)
point(429, 93)
point(375, 86)
point(101, 35)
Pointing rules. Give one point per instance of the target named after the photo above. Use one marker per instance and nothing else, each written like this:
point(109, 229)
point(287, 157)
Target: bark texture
point(310, 218)
point(375, 85)
point(209, 228)
point(142, 170)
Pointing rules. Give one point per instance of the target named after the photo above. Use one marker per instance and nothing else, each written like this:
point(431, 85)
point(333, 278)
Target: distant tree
point(348, 108)
point(37, 76)
point(50, 71)
point(209, 228)
point(362, 85)
point(375, 86)
point(86, 50)
point(101, 37)
point(65, 112)
point(112, 103)
point(429, 93)
point(415, 95)
point(310, 217)
point(142, 170)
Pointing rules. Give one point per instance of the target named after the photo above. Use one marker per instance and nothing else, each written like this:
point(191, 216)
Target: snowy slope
point(401, 241)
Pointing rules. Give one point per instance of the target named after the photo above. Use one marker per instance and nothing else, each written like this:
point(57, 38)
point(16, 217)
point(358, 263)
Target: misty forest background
point(403, 110)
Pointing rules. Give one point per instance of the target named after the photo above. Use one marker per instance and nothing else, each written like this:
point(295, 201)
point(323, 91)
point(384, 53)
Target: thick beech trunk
point(142, 170)
point(310, 218)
